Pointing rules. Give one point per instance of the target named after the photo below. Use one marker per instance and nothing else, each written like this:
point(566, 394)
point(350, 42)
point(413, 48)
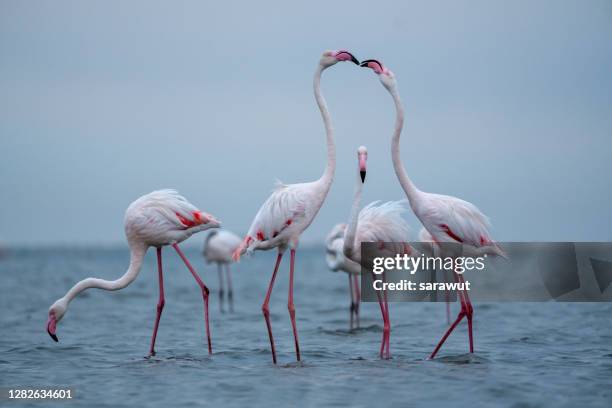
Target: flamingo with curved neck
point(291, 208)
point(446, 218)
point(156, 219)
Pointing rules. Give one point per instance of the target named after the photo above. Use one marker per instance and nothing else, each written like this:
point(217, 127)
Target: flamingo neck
point(351, 230)
point(412, 192)
point(328, 174)
point(137, 253)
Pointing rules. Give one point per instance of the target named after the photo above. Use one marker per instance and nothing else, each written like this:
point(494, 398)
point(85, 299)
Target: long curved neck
point(136, 258)
point(330, 168)
point(351, 230)
point(409, 188)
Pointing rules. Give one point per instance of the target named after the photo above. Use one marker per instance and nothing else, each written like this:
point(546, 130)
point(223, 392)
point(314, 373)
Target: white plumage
point(219, 246)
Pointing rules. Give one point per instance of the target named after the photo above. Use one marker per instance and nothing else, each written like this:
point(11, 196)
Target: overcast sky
point(509, 106)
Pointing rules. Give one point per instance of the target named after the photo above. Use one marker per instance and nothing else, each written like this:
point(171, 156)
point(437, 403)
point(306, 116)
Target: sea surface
point(527, 354)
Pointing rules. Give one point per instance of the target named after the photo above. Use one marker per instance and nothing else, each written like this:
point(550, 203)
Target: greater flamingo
point(380, 223)
point(156, 219)
point(336, 261)
point(446, 218)
point(291, 208)
point(219, 246)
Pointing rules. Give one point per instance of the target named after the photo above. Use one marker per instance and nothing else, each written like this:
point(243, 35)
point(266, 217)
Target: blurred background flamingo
point(218, 248)
point(156, 219)
point(336, 261)
point(291, 208)
point(377, 222)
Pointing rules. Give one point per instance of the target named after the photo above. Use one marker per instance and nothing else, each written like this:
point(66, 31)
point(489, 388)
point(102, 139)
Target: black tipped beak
point(53, 336)
point(362, 173)
point(354, 60)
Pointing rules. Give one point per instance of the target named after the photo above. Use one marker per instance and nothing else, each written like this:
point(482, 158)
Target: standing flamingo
point(376, 222)
point(446, 218)
point(336, 261)
point(218, 248)
point(156, 219)
point(291, 208)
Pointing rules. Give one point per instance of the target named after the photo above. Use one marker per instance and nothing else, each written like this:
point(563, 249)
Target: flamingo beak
point(51, 327)
point(340, 56)
point(362, 168)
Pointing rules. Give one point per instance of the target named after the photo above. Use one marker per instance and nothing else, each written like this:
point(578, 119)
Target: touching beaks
point(344, 55)
point(374, 65)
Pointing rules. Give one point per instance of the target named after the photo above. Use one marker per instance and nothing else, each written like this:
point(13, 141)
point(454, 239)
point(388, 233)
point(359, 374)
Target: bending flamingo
point(292, 207)
point(376, 222)
point(336, 261)
point(156, 219)
point(218, 248)
point(446, 218)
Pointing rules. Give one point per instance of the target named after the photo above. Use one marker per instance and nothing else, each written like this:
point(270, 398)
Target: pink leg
point(221, 290)
point(230, 290)
point(466, 311)
point(291, 306)
point(352, 307)
point(357, 299)
point(266, 310)
point(160, 303)
point(388, 326)
point(205, 293)
point(384, 316)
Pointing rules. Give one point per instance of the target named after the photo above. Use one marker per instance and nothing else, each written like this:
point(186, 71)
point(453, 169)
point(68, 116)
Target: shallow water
point(527, 354)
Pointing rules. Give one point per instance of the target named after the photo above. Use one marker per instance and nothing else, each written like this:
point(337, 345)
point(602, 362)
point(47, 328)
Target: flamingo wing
point(286, 206)
point(383, 222)
point(450, 219)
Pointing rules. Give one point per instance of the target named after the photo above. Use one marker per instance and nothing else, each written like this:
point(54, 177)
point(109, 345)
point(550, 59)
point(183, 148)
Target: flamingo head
point(362, 158)
point(385, 75)
point(56, 312)
point(330, 58)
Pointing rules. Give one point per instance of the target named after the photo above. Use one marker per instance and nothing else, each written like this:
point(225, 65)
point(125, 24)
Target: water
point(527, 355)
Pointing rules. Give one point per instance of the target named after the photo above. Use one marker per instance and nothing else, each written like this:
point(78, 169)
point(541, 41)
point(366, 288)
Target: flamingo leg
point(266, 309)
point(387, 330)
point(221, 290)
point(357, 299)
point(352, 307)
point(384, 316)
point(291, 305)
point(466, 311)
point(204, 289)
point(160, 303)
point(230, 290)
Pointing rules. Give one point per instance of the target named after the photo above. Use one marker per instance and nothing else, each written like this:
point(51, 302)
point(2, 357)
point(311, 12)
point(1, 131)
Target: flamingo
point(446, 218)
point(292, 207)
point(218, 248)
point(376, 222)
point(336, 261)
point(156, 219)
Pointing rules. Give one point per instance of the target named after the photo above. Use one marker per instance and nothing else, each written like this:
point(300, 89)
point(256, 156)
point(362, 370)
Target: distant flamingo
point(336, 261)
point(218, 248)
point(376, 222)
point(291, 208)
point(446, 218)
point(156, 219)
